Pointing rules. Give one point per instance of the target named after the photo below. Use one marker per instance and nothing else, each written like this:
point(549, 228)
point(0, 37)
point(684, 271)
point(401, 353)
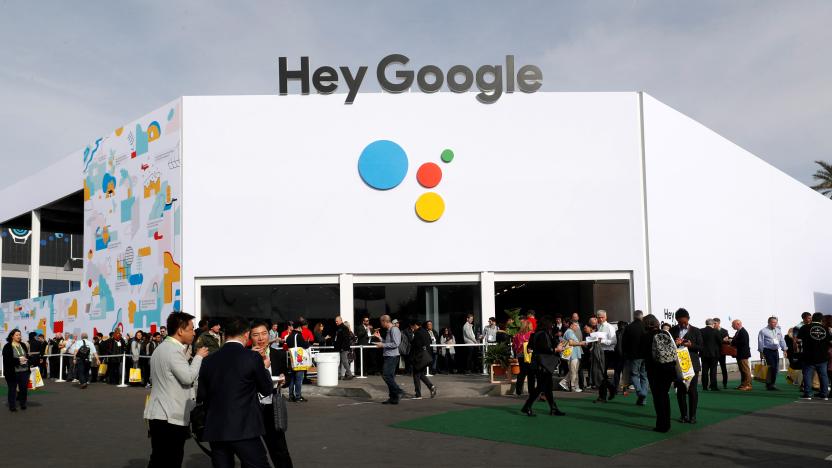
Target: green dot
point(447, 156)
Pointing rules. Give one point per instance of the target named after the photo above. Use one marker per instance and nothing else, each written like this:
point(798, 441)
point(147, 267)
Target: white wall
point(730, 235)
point(540, 182)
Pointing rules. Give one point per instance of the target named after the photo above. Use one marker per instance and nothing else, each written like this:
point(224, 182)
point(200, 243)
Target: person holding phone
point(690, 337)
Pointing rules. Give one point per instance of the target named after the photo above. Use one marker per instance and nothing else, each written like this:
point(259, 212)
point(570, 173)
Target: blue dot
point(43, 242)
point(382, 165)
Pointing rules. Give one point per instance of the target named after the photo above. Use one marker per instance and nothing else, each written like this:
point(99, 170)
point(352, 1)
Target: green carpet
point(625, 426)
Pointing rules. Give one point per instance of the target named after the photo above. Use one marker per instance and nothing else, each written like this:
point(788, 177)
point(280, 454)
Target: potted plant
point(498, 357)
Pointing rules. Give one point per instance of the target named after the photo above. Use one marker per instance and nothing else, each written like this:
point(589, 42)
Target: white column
point(487, 297)
point(34, 263)
point(345, 283)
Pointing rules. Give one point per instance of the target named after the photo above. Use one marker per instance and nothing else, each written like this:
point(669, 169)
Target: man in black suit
point(690, 337)
point(434, 340)
point(274, 438)
point(740, 341)
point(711, 346)
point(723, 336)
point(364, 358)
point(229, 381)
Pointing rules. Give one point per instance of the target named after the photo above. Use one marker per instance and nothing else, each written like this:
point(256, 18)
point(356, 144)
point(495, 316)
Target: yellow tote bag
point(760, 371)
point(102, 369)
point(135, 376)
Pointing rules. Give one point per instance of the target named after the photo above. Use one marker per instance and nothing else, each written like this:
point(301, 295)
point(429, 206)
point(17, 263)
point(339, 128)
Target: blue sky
point(757, 72)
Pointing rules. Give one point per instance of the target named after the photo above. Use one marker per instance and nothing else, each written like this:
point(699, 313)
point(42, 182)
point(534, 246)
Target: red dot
point(89, 283)
point(429, 175)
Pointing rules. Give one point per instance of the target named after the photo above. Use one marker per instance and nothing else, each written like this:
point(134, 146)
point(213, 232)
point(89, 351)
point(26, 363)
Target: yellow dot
point(430, 206)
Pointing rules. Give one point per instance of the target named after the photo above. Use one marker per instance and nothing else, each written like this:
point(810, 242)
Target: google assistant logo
point(383, 166)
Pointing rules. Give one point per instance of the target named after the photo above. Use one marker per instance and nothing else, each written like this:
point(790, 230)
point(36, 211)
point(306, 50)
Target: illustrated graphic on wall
point(383, 165)
point(131, 182)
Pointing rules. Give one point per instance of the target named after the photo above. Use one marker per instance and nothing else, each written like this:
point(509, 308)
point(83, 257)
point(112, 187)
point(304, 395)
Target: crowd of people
point(192, 365)
point(644, 355)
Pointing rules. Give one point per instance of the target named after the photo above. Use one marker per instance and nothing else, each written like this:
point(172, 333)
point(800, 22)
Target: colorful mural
point(132, 185)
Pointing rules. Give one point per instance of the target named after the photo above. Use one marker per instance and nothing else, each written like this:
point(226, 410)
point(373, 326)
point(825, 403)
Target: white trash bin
point(328, 369)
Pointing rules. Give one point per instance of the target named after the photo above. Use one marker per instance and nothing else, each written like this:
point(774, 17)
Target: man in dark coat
point(631, 351)
point(229, 383)
point(690, 337)
point(711, 346)
point(723, 365)
point(274, 438)
point(740, 341)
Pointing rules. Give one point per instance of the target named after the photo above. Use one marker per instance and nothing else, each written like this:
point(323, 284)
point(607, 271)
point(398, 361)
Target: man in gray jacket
point(171, 398)
point(390, 347)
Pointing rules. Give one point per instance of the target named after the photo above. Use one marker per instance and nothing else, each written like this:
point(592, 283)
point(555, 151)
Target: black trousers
point(17, 383)
point(660, 377)
point(688, 397)
point(709, 373)
point(419, 377)
point(544, 386)
point(275, 440)
point(250, 452)
point(167, 444)
point(724, 367)
point(54, 367)
point(526, 371)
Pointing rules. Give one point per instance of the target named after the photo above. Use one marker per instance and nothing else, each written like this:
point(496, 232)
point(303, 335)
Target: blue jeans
point(807, 378)
point(638, 375)
point(295, 383)
point(388, 373)
point(772, 359)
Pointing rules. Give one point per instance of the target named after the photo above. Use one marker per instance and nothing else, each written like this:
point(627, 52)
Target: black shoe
point(714, 389)
point(302, 400)
point(773, 389)
point(433, 392)
point(684, 420)
point(13, 409)
point(349, 377)
point(612, 395)
point(528, 412)
point(640, 401)
point(692, 420)
point(292, 399)
point(23, 407)
point(600, 400)
point(556, 412)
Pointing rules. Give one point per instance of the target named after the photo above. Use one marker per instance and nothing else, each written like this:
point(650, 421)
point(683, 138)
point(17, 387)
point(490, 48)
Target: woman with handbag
point(522, 351)
point(16, 369)
point(545, 359)
point(660, 350)
point(421, 358)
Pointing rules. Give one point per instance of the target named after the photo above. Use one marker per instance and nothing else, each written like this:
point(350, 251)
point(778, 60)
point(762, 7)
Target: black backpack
point(83, 351)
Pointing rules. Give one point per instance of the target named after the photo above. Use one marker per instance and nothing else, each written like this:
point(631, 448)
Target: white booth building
point(420, 206)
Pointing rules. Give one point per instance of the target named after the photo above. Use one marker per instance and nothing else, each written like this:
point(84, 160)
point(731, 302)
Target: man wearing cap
point(212, 340)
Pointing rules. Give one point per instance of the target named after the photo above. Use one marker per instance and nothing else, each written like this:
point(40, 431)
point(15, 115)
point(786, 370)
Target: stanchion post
point(123, 370)
point(61, 368)
point(361, 354)
point(484, 348)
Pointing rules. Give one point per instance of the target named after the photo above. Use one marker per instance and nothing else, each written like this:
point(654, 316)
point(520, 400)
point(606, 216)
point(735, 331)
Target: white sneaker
point(577, 390)
point(564, 385)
